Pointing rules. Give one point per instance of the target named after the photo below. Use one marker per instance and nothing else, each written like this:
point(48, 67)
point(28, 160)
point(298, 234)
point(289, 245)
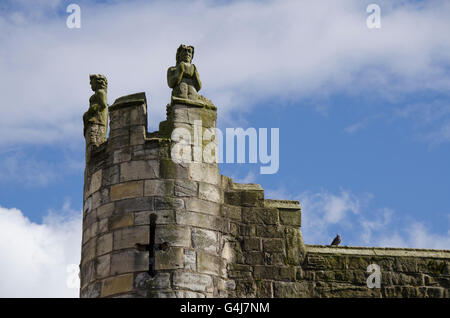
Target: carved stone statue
point(184, 78)
point(96, 118)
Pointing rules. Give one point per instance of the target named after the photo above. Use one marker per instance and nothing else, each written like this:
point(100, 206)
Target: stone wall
point(153, 227)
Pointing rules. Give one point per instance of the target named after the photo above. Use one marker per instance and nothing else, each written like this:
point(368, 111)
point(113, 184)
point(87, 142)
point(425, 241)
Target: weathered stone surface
point(293, 289)
point(273, 245)
point(104, 244)
point(134, 205)
point(91, 291)
point(205, 240)
point(190, 259)
point(127, 190)
point(117, 285)
point(96, 182)
point(138, 170)
point(193, 281)
point(121, 220)
point(290, 217)
point(260, 215)
point(199, 219)
point(171, 258)
point(204, 172)
point(209, 264)
point(210, 192)
point(186, 188)
point(167, 203)
point(162, 217)
point(158, 187)
point(102, 266)
point(173, 234)
point(147, 283)
point(130, 236)
point(202, 206)
point(129, 261)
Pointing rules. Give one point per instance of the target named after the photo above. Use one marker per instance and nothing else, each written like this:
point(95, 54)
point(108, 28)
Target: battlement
point(157, 226)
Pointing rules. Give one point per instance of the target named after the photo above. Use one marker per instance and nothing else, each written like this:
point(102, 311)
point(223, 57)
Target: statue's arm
point(101, 99)
point(198, 83)
point(174, 75)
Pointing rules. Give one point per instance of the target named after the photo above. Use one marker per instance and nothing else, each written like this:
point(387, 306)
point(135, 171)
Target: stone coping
point(129, 100)
point(246, 187)
point(377, 251)
point(190, 102)
point(282, 204)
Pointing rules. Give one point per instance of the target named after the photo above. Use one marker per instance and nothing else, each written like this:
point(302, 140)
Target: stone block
point(290, 217)
point(190, 260)
point(171, 170)
point(146, 282)
point(205, 240)
point(232, 212)
point(91, 291)
point(162, 217)
point(105, 211)
point(252, 198)
point(202, 206)
point(293, 289)
point(186, 188)
point(174, 234)
point(210, 192)
point(130, 236)
point(102, 266)
point(171, 258)
point(260, 215)
point(129, 261)
point(273, 245)
point(209, 264)
point(121, 155)
point(254, 258)
point(134, 205)
point(88, 251)
point(132, 189)
point(269, 231)
point(252, 244)
point(138, 170)
point(104, 244)
point(96, 182)
point(117, 285)
point(199, 220)
point(264, 289)
point(204, 172)
point(121, 220)
point(158, 188)
point(192, 281)
point(168, 203)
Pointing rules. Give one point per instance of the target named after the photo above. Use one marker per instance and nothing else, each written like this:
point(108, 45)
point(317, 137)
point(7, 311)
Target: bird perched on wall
point(336, 240)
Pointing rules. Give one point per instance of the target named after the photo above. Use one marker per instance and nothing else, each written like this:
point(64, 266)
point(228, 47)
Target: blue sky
point(363, 114)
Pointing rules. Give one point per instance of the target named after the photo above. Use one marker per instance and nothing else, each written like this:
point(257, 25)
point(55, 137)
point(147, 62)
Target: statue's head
point(98, 81)
point(185, 53)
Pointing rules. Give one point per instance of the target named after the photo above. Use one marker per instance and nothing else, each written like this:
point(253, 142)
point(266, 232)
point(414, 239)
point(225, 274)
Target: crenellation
point(157, 227)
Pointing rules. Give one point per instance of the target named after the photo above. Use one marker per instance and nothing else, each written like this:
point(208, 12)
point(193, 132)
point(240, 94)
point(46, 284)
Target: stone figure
point(184, 78)
point(96, 118)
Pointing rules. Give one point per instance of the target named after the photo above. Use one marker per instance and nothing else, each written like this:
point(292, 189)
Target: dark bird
point(336, 240)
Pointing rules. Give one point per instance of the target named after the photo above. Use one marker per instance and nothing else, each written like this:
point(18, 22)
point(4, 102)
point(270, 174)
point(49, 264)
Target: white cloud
point(245, 51)
point(34, 257)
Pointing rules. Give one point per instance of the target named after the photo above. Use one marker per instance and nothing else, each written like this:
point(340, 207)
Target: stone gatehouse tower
point(157, 227)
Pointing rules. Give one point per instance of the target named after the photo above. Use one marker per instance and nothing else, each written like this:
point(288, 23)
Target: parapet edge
point(377, 251)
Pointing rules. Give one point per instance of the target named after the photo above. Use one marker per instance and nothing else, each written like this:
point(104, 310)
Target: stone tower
point(158, 226)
